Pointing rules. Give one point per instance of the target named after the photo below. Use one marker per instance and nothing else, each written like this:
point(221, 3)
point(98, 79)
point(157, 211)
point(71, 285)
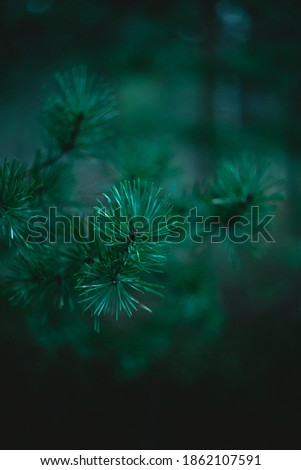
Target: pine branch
point(41, 280)
point(134, 213)
point(114, 266)
point(16, 199)
point(115, 269)
point(109, 284)
point(238, 187)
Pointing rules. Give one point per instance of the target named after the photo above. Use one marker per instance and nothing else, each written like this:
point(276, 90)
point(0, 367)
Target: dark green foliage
point(111, 283)
point(16, 198)
point(76, 117)
point(134, 213)
point(250, 181)
point(240, 186)
point(54, 182)
point(110, 265)
point(125, 250)
point(223, 343)
point(41, 279)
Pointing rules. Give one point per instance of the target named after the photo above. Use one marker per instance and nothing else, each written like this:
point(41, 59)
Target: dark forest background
point(213, 367)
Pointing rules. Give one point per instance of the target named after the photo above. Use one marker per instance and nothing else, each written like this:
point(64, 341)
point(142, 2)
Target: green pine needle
point(109, 283)
point(250, 181)
point(16, 198)
point(136, 215)
point(41, 279)
point(54, 182)
point(239, 186)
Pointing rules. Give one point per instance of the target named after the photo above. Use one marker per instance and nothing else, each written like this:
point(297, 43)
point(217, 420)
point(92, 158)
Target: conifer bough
point(76, 116)
point(112, 269)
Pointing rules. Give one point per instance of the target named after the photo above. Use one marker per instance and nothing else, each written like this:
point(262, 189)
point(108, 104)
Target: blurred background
point(217, 364)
